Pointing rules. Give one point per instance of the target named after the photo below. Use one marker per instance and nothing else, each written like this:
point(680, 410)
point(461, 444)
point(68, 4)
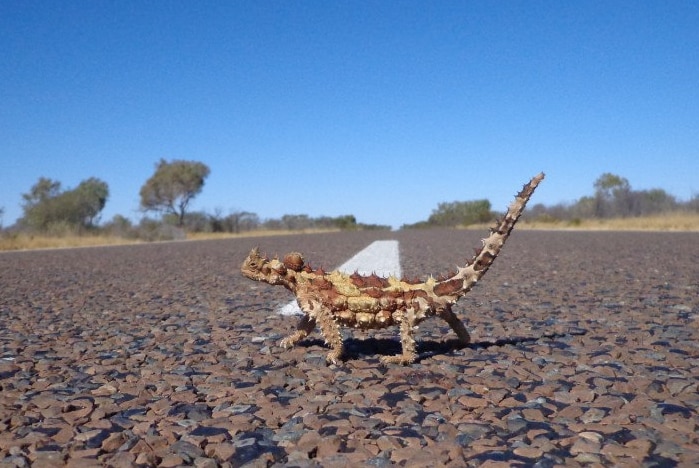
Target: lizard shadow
point(360, 348)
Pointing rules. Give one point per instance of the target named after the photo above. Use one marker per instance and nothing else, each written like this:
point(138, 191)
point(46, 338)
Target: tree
point(693, 203)
point(88, 200)
point(656, 201)
point(43, 190)
point(172, 186)
point(46, 205)
point(119, 225)
point(241, 221)
point(612, 196)
point(296, 222)
point(609, 184)
point(461, 213)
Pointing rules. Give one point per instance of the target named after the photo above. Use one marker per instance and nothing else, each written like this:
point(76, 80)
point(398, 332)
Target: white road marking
point(380, 257)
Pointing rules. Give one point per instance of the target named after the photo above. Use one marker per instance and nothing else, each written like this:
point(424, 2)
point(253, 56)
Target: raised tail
point(463, 280)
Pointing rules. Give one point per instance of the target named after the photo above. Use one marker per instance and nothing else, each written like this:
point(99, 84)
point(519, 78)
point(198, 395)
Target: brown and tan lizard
point(335, 299)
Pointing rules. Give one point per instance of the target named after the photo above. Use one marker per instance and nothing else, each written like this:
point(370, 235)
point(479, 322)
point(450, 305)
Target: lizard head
point(260, 268)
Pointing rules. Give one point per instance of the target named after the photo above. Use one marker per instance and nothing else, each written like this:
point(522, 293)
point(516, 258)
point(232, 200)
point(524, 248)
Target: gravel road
point(586, 352)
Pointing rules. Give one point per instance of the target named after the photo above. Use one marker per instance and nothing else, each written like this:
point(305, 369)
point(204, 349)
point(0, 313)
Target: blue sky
point(377, 109)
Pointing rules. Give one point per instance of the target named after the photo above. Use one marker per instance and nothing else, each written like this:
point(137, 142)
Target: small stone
point(77, 410)
point(528, 452)
point(88, 435)
point(615, 450)
point(591, 436)
point(223, 451)
point(640, 446)
point(472, 402)
point(186, 450)
point(593, 415)
point(171, 461)
point(105, 390)
point(583, 445)
point(532, 414)
point(202, 462)
point(120, 460)
point(588, 458)
point(147, 459)
point(388, 443)
point(114, 441)
point(329, 446)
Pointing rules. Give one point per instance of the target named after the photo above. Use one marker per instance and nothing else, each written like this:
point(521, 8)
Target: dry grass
point(665, 222)
point(37, 242)
point(258, 233)
point(678, 221)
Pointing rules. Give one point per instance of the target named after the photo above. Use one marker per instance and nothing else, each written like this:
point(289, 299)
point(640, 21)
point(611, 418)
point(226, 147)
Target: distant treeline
point(613, 198)
point(51, 210)
point(234, 223)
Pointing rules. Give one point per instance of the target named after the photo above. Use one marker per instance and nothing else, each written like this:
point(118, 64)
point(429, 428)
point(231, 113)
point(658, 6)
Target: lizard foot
point(287, 342)
point(401, 359)
point(292, 339)
point(334, 357)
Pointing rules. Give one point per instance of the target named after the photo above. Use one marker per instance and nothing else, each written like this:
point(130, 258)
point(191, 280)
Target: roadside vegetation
point(614, 205)
point(55, 217)
point(675, 221)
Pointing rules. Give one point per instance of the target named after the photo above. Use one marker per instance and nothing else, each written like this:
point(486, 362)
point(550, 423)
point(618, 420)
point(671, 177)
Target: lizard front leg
point(330, 330)
point(305, 326)
point(409, 354)
point(457, 325)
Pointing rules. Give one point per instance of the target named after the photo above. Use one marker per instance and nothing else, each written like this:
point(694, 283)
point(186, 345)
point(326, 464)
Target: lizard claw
point(399, 359)
point(286, 343)
point(333, 358)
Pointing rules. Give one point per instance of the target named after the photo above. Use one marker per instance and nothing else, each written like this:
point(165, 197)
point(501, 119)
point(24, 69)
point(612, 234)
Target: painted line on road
point(380, 257)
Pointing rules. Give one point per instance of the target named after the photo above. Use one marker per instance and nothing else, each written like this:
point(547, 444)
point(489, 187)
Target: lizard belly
point(365, 319)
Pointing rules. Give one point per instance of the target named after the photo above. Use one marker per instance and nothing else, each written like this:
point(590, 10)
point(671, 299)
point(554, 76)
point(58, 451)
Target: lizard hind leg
point(457, 325)
point(305, 326)
point(409, 353)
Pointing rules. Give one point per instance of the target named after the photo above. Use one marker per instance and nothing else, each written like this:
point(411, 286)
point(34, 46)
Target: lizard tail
point(463, 280)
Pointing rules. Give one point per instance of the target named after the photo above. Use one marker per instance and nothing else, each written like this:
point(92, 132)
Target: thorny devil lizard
point(336, 299)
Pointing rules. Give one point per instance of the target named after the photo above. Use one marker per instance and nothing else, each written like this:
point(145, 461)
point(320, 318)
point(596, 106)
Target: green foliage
point(120, 226)
point(461, 213)
point(346, 222)
point(613, 198)
point(300, 222)
point(608, 185)
point(456, 213)
point(42, 191)
point(240, 221)
point(418, 225)
point(693, 203)
point(152, 230)
point(47, 208)
point(173, 186)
